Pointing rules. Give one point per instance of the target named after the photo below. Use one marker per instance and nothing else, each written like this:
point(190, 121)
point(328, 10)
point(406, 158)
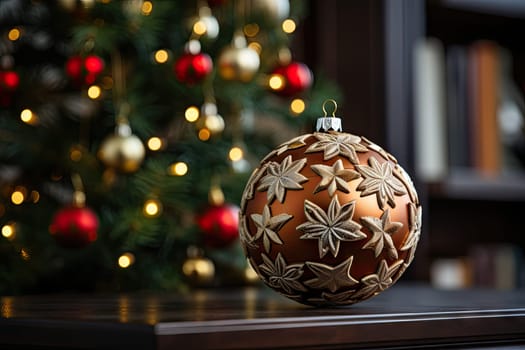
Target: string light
point(178, 169)
point(161, 56)
point(204, 134)
point(28, 117)
point(14, 34)
point(94, 92)
point(235, 154)
point(75, 154)
point(191, 114)
point(251, 29)
point(9, 231)
point(152, 208)
point(155, 143)
point(199, 28)
point(288, 26)
point(147, 7)
point(276, 82)
point(297, 106)
point(17, 197)
point(35, 196)
point(24, 254)
point(126, 260)
point(255, 46)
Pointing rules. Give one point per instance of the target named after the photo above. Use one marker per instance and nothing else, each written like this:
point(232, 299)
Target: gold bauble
point(329, 218)
point(237, 61)
point(199, 270)
point(122, 151)
point(274, 10)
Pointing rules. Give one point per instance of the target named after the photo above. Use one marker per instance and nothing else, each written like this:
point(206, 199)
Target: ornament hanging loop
point(326, 123)
point(334, 103)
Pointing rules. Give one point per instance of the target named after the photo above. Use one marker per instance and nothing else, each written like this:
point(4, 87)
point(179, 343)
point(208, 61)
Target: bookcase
point(470, 219)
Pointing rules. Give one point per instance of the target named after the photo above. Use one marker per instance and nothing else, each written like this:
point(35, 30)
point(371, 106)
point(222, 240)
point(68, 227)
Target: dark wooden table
point(402, 317)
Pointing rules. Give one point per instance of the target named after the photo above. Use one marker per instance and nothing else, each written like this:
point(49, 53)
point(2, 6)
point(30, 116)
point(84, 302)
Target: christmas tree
point(128, 130)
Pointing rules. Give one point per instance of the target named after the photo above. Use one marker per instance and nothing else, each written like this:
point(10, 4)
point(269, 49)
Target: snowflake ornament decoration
point(329, 218)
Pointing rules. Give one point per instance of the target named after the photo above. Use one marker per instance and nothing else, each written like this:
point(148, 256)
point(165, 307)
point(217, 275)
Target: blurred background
point(140, 122)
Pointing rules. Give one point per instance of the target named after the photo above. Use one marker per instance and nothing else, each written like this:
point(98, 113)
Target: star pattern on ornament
point(249, 190)
point(382, 230)
point(414, 226)
point(379, 281)
point(379, 180)
point(402, 175)
point(296, 142)
point(330, 277)
point(378, 149)
point(334, 177)
point(268, 227)
point(246, 239)
point(282, 276)
point(334, 144)
point(282, 177)
point(331, 227)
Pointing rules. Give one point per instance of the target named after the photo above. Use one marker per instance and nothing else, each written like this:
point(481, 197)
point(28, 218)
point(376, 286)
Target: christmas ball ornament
point(205, 24)
point(292, 79)
point(273, 10)
point(210, 118)
point(329, 218)
point(74, 227)
point(237, 61)
point(219, 225)
point(193, 66)
point(9, 81)
point(199, 270)
point(84, 70)
point(122, 151)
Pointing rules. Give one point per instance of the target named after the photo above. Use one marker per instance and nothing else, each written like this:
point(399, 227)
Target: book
point(429, 107)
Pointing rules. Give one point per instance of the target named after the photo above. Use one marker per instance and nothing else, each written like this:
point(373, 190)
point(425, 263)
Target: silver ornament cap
point(332, 122)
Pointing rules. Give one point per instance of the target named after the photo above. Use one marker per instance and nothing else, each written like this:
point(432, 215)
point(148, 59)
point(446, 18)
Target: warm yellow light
point(288, 26)
point(235, 153)
point(191, 114)
point(147, 7)
point(28, 117)
point(8, 231)
point(24, 253)
point(152, 208)
point(297, 106)
point(276, 82)
point(204, 134)
point(250, 274)
point(251, 29)
point(75, 154)
point(14, 34)
point(199, 28)
point(255, 46)
point(17, 197)
point(35, 196)
point(94, 92)
point(126, 260)
point(179, 169)
point(155, 143)
point(161, 56)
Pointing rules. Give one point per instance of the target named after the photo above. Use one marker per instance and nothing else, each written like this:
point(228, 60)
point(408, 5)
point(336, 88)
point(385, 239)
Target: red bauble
point(84, 70)
point(296, 76)
point(220, 225)
point(9, 80)
point(193, 68)
point(74, 227)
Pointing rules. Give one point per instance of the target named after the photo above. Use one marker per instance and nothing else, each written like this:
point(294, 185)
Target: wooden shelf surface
point(403, 316)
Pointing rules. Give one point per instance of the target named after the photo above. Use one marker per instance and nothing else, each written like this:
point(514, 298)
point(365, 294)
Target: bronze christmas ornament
point(329, 218)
